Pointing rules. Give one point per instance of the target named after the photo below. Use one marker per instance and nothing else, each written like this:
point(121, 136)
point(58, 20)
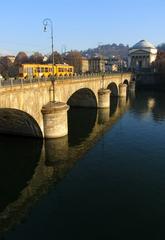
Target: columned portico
point(141, 55)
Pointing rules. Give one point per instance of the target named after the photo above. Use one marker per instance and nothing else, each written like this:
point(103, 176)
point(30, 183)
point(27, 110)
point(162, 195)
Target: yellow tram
point(45, 70)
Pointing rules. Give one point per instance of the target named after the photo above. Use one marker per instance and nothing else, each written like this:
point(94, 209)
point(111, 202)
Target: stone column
point(122, 90)
point(103, 98)
point(55, 119)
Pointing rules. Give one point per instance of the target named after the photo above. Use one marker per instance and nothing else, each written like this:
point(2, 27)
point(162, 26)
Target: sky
point(79, 25)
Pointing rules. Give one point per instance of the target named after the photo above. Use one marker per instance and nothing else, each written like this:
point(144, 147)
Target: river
point(105, 180)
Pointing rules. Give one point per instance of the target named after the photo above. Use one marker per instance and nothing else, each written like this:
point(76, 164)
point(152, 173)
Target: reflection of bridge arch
point(17, 122)
point(77, 121)
point(113, 88)
point(80, 124)
point(83, 97)
point(113, 105)
point(17, 168)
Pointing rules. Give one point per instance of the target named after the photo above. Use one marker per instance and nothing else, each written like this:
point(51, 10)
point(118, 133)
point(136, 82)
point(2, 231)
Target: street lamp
point(101, 59)
point(46, 22)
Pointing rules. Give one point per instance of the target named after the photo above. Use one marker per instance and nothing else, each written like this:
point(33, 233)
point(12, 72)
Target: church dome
point(143, 44)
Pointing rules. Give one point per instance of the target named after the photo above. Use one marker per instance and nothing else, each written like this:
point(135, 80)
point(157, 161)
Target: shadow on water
point(80, 124)
point(19, 157)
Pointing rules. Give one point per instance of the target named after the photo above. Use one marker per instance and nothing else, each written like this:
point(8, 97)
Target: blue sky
point(79, 24)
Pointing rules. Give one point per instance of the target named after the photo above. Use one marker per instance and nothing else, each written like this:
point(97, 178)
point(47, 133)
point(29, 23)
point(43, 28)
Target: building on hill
point(141, 56)
point(11, 58)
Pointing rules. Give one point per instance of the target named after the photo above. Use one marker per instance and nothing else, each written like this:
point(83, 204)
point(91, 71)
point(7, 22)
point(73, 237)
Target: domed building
point(141, 55)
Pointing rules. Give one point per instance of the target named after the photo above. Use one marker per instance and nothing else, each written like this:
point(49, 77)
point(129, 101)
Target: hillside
point(107, 50)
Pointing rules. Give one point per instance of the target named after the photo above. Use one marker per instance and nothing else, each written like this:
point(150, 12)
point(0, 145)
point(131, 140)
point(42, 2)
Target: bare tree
point(74, 58)
point(57, 58)
point(21, 58)
point(6, 67)
point(159, 63)
point(36, 58)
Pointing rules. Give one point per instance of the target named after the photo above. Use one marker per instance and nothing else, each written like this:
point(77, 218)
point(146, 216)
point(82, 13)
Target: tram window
point(30, 70)
point(42, 69)
point(46, 69)
point(38, 70)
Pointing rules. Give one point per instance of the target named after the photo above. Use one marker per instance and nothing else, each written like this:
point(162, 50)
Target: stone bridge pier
point(29, 109)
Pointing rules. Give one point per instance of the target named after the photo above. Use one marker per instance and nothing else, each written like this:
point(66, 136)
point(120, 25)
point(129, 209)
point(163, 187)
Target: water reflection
point(117, 189)
point(80, 124)
point(113, 104)
point(158, 110)
point(29, 169)
point(149, 103)
point(122, 103)
point(103, 115)
point(56, 150)
point(19, 157)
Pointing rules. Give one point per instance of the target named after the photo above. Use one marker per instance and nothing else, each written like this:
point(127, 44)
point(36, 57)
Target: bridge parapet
point(22, 82)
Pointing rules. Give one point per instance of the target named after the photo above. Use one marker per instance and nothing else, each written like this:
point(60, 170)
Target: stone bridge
point(28, 108)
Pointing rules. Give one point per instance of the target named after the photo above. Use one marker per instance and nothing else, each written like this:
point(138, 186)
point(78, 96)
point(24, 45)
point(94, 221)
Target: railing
point(22, 81)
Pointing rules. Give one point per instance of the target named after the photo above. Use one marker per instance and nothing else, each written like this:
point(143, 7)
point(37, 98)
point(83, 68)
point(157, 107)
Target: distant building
point(141, 55)
point(84, 65)
point(114, 67)
point(45, 58)
point(116, 64)
point(97, 64)
point(11, 58)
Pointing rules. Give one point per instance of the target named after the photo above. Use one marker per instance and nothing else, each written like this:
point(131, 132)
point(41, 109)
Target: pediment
point(133, 51)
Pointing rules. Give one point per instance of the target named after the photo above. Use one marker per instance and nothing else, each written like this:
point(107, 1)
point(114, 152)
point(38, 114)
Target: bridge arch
point(114, 89)
point(18, 122)
point(126, 82)
point(83, 97)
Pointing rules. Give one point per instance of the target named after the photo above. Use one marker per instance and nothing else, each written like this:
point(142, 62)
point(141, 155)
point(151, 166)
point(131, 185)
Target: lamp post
point(101, 60)
point(46, 22)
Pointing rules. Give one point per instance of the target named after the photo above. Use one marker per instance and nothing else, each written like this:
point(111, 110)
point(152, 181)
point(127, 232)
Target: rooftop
point(143, 44)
